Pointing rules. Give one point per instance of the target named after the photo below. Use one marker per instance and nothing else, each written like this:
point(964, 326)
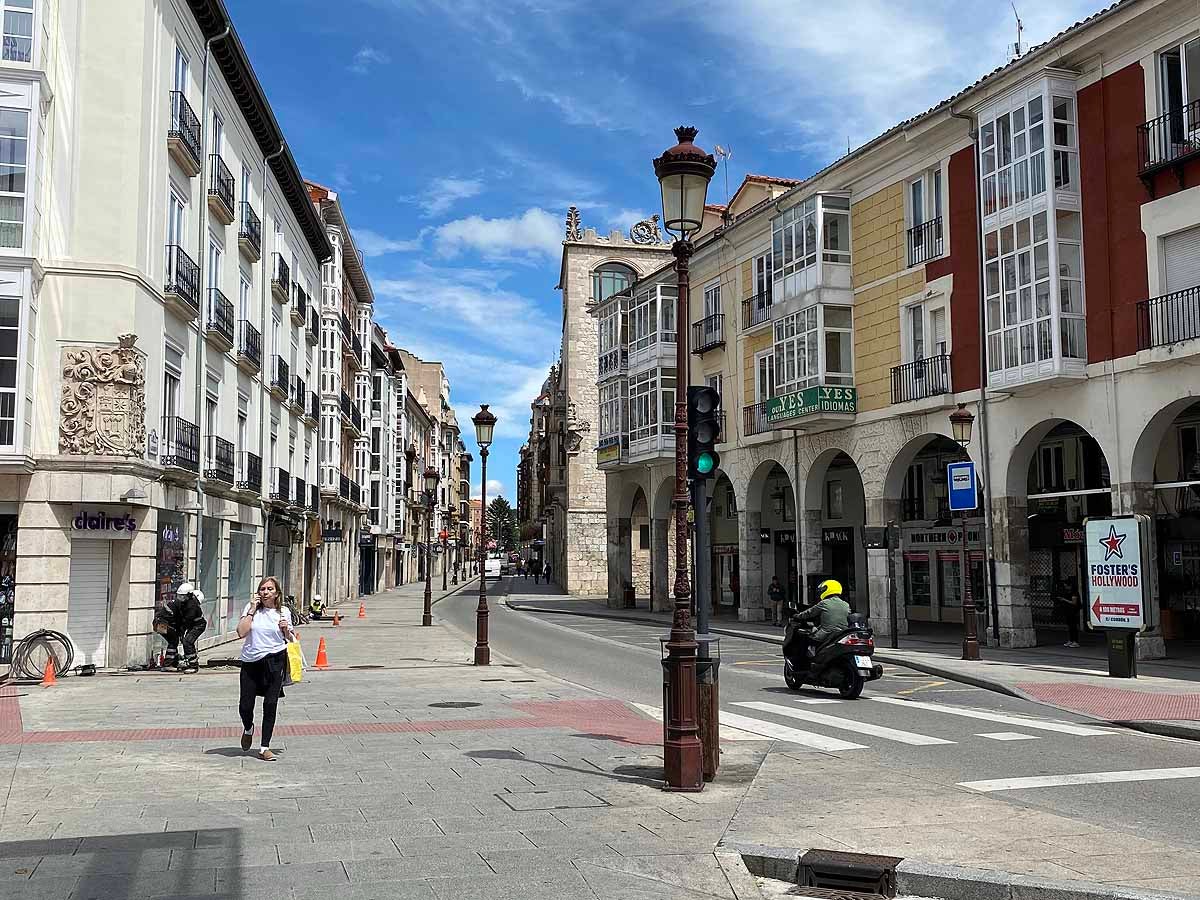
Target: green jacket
point(831, 615)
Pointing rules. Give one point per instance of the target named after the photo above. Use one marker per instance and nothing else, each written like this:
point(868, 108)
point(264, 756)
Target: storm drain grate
point(454, 704)
point(859, 873)
point(832, 894)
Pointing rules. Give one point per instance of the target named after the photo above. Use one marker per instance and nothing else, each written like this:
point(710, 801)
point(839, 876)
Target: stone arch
point(625, 497)
point(893, 485)
point(602, 289)
point(1149, 442)
point(758, 480)
point(1017, 474)
point(814, 475)
point(664, 495)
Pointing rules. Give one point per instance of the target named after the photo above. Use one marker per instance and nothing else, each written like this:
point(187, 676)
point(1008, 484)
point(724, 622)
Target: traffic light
point(704, 431)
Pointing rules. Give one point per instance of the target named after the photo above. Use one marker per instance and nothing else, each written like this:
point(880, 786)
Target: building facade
point(1030, 249)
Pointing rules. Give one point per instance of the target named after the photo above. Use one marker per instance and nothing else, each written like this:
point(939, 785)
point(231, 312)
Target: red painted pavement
point(1116, 704)
point(609, 718)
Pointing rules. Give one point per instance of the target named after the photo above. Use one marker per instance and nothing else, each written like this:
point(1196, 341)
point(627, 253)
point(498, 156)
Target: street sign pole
point(893, 609)
point(960, 476)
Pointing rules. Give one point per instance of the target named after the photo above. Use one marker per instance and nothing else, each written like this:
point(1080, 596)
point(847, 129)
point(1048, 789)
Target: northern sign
point(812, 401)
point(1116, 573)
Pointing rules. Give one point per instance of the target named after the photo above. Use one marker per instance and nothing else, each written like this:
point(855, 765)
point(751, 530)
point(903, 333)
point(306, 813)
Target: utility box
point(708, 666)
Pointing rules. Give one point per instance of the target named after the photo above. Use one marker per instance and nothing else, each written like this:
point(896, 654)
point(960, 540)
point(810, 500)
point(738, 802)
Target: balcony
point(249, 473)
point(299, 305)
point(298, 394)
point(249, 351)
point(344, 486)
point(924, 241)
point(181, 289)
point(357, 349)
point(1168, 319)
point(1168, 141)
point(314, 499)
point(280, 379)
point(929, 377)
point(180, 446)
point(756, 310)
point(299, 494)
point(313, 332)
point(220, 190)
point(312, 412)
point(183, 136)
point(613, 362)
point(708, 333)
point(281, 280)
point(346, 332)
point(218, 462)
point(250, 233)
point(810, 408)
point(356, 419)
point(281, 484)
point(219, 327)
point(345, 405)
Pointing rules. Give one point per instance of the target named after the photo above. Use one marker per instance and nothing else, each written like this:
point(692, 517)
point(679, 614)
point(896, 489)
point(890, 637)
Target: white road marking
point(791, 735)
point(1018, 721)
point(1042, 781)
point(812, 701)
point(727, 733)
point(891, 734)
point(1007, 736)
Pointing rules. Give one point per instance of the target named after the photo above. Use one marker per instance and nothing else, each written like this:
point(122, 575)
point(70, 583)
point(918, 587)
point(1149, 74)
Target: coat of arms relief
point(103, 404)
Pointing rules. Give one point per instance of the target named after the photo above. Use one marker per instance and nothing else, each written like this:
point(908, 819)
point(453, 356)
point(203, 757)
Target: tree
point(502, 523)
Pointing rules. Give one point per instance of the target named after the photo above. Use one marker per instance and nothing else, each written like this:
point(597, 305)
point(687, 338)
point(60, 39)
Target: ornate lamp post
point(683, 173)
point(961, 422)
point(453, 527)
point(485, 424)
point(431, 479)
point(444, 536)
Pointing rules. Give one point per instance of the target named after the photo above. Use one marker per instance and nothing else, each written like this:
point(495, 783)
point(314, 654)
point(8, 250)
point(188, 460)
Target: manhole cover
point(454, 704)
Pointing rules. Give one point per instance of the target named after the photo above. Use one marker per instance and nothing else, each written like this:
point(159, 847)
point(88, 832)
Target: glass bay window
point(651, 317)
point(651, 410)
point(810, 246)
point(814, 346)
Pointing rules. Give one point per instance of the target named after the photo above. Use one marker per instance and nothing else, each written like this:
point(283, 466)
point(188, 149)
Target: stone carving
point(576, 429)
point(574, 229)
point(646, 232)
point(103, 403)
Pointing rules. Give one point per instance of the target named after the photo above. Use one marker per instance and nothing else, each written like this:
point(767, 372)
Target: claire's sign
point(1116, 572)
point(812, 401)
point(103, 524)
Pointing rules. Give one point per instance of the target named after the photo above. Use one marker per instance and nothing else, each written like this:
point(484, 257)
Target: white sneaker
point(1068, 644)
point(1071, 644)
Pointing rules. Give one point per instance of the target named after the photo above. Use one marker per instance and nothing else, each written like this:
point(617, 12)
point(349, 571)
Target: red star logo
point(1112, 544)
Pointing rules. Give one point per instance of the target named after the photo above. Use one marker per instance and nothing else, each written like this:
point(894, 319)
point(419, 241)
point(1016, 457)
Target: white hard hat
point(199, 595)
point(317, 597)
point(186, 588)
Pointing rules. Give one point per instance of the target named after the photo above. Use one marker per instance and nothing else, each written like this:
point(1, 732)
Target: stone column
point(1139, 497)
point(879, 577)
point(662, 565)
point(753, 589)
point(619, 566)
point(1010, 531)
point(811, 552)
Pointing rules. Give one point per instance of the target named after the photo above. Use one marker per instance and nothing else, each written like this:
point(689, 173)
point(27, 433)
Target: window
point(1066, 171)
point(180, 79)
point(1178, 98)
point(924, 214)
point(211, 416)
point(610, 409)
point(18, 31)
point(1070, 285)
point(651, 403)
point(814, 346)
point(217, 143)
point(916, 332)
point(243, 297)
point(712, 299)
point(14, 150)
point(820, 222)
point(1017, 291)
point(794, 239)
point(833, 499)
point(176, 210)
point(1012, 158)
point(172, 381)
point(10, 321)
point(243, 419)
point(764, 376)
point(835, 226)
point(609, 279)
point(1050, 468)
point(652, 313)
point(214, 264)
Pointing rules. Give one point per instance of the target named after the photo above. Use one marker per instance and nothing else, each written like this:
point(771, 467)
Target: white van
point(493, 565)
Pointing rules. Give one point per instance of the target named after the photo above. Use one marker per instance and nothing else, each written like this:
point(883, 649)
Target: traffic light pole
point(703, 590)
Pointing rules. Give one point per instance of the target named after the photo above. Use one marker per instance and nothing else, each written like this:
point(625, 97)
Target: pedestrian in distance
point(548, 572)
point(266, 626)
point(181, 619)
point(735, 588)
point(775, 593)
point(1067, 605)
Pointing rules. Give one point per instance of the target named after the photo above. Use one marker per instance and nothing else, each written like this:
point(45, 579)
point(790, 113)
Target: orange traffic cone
point(48, 679)
point(362, 610)
point(322, 659)
point(337, 618)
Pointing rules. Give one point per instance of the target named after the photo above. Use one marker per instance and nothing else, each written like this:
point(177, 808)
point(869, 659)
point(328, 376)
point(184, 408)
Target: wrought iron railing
point(282, 278)
point(920, 378)
point(356, 346)
point(220, 314)
point(300, 493)
point(183, 276)
point(218, 465)
point(346, 330)
point(220, 184)
point(343, 485)
point(180, 444)
point(300, 302)
point(280, 378)
point(1170, 138)
point(1169, 319)
point(754, 419)
point(250, 229)
point(249, 343)
point(613, 361)
point(314, 406)
point(249, 474)
point(709, 332)
point(184, 125)
point(756, 310)
point(925, 241)
point(299, 389)
point(314, 498)
point(346, 405)
point(314, 325)
point(280, 485)
point(356, 418)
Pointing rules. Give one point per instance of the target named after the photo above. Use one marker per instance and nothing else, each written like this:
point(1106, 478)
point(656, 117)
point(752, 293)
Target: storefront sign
point(837, 537)
point(811, 401)
point(104, 525)
point(940, 537)
point(764, 535)
point(785, 538)
point(610, 454)
point(1116, 574)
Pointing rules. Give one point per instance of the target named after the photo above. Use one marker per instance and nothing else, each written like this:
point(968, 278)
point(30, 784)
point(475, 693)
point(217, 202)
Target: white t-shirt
point(265, 637)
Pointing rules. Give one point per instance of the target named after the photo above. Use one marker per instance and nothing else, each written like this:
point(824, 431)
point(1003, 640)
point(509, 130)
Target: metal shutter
point(1181, 252)
point(87, 603)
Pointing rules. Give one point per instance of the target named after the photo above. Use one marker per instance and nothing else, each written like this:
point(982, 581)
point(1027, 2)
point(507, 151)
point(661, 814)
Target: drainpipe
point(801, 562)
point(986, 467)
point(201, 245)
point(265, 291)
point(1114, 407)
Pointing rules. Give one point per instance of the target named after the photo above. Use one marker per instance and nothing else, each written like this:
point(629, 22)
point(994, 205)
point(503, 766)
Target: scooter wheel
point(789, 677)
point(852, 686)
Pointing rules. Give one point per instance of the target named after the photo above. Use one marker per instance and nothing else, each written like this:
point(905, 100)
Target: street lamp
point(485, 424)
point(431, 478)
point(683, 173)
point(961, 422)
point(453, 526)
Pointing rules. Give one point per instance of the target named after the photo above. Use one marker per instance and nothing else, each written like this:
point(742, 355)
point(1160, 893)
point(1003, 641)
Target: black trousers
point(262, 678)
point(188, 637)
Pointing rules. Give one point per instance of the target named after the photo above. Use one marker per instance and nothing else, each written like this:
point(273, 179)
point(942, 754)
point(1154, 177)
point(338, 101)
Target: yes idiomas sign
point(1116, 571)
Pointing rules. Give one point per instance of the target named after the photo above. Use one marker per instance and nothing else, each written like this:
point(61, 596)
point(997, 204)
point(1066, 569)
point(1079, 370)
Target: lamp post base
point(683, 754)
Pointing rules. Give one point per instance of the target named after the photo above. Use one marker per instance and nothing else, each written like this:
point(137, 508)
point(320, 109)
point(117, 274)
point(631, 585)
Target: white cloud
point(574, 108)
point(372, 243)
point(624, 219)
point(495, 488)
point(443, 193)
point(367, 57)
point(531, 236)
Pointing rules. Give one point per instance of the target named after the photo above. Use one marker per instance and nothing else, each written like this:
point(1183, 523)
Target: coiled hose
point(34, 651)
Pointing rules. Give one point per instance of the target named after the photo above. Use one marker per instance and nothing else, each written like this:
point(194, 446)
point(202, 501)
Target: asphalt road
point(959, 734)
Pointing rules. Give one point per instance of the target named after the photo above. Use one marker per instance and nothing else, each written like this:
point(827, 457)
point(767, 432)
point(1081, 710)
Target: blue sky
point(457, 133)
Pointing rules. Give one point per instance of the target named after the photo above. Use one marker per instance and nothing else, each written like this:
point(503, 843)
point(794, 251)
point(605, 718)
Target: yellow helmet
point(829, 588)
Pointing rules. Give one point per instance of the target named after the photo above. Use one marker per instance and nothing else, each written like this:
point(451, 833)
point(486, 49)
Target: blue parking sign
point(961, 478)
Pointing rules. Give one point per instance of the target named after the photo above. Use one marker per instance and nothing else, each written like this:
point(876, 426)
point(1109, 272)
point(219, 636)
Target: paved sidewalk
point(1164, 698)
point(404, 772)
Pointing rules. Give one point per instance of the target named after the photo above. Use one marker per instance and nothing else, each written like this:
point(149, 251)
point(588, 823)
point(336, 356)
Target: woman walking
point(267, 626)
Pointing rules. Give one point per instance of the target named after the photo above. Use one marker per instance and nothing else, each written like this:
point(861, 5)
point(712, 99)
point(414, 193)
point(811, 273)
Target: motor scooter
point(842, 660)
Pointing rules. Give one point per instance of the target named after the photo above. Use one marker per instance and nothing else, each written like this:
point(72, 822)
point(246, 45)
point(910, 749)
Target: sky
point(457, 134)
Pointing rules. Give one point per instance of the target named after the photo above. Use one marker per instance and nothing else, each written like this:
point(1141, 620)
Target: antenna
point(1015, 50)
point(724, 153)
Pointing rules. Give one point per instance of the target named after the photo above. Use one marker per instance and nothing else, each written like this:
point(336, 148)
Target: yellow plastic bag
point(295, 662)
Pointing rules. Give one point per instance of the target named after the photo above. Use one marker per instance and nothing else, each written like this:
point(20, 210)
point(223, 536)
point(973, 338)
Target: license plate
point(863, 662)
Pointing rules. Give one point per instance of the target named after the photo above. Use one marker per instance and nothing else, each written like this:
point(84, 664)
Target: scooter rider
point(831, 613)
point(182, 619)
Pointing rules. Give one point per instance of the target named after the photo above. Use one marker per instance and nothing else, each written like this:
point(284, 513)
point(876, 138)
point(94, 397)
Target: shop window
point(643, 537)
point(834, 506)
